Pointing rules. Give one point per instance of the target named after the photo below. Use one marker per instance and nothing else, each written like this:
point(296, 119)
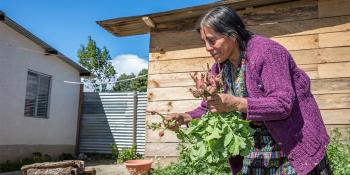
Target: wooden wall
point(317, 34)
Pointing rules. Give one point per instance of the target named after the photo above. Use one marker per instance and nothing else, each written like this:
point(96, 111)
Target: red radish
point(207, 84)
point(161, 133)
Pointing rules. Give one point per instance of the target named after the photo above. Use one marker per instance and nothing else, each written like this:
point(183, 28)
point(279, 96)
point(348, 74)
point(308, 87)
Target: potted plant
point(138, 166)
point(133, 161)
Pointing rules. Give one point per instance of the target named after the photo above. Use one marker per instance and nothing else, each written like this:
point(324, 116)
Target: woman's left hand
point(226, 103)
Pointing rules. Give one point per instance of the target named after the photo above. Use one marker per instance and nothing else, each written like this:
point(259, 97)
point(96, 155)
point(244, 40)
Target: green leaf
point(228, 138)
point(234, 148)
point(214, 135)
point(209, 129)
point(202, 150)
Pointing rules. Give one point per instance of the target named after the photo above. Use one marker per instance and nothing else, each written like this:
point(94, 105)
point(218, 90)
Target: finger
point(210, 98)
point(213, 110)
point(214, 97)
point(212, 107)
point(213, 103)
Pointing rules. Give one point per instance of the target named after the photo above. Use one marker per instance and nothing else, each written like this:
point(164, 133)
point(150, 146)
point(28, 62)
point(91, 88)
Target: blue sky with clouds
point(66, 24)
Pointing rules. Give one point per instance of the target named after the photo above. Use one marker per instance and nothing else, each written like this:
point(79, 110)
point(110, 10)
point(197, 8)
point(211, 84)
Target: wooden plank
point(323, 55)
point(180, 54)
point(311, 70)
point(335, 39)
point(153, 119)
point(167, 107)
point(291, 11)
point(176, 66)
point(303, 27)
point(336, 54)
point(175, 40)
point(310, 56)
point(312, 74)
point(298, 42)
point(163, 161)
point(153, 137)
point(334, 70)
point(309, 67)
point(171, 93)
point(327, 8)
point(333, 101)
point(328, 86)
point(168, 80)
point(336, 116)
point(160, 150)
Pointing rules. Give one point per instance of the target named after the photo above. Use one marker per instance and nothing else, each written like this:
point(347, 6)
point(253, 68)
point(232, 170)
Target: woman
point(267, 86)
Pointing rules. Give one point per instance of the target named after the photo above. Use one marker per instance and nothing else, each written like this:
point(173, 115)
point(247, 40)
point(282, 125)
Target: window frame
point(39, 74)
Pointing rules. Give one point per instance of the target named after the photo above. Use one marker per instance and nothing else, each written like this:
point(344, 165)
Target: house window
point(37, 95)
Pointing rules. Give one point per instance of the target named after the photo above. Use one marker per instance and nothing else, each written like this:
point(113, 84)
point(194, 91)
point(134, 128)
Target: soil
point(107, 167)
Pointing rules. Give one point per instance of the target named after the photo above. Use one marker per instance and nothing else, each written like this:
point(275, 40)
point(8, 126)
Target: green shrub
point(115, 151)
point(339, 153)
point(66, 156)
point(125, 154)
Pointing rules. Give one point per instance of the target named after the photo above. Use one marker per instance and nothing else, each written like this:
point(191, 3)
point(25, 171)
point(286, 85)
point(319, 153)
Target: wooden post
point(81, 100)
point(134, 121)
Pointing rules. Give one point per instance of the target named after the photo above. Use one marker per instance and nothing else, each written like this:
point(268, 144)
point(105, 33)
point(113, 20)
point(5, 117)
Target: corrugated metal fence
point(109, 118)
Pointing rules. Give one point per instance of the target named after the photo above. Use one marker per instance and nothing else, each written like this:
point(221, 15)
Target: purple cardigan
point(279, 95)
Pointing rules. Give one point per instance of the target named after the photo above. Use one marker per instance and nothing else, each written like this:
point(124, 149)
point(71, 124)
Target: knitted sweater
point(279, 95)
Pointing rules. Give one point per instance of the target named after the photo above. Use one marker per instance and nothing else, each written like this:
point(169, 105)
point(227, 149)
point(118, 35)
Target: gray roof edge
point(48, 49)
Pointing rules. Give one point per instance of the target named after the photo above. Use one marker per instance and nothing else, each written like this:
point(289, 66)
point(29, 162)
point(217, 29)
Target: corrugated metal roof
point(48, 49)
point(135, 25)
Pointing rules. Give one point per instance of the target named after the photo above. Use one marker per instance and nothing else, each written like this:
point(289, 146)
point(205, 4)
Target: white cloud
point(128, 64)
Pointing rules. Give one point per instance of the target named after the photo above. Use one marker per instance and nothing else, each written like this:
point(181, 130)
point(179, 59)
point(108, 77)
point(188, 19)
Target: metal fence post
point(134, 120)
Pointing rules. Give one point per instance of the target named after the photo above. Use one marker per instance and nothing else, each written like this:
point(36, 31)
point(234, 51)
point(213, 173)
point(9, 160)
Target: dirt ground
point(107, 168)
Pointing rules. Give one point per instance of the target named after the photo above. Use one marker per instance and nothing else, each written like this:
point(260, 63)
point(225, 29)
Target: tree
point(123, 84)
point(136, 83)
point(98, 62)
point(140, 84)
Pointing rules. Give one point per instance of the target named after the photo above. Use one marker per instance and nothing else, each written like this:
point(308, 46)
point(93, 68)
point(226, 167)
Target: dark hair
point(227, 22)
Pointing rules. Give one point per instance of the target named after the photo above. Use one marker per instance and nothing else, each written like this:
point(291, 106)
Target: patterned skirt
point(268, 158)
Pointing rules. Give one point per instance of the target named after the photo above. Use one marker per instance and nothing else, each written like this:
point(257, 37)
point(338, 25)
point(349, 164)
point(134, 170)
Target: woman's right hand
point(178, 118)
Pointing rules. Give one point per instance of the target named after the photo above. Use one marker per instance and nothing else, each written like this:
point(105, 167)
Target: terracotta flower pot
point(138, 167)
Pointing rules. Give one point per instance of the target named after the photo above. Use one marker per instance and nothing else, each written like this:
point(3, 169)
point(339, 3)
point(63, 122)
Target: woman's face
point(218, 45)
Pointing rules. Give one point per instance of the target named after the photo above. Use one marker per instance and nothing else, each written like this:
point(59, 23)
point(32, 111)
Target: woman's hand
point(226, 103)
point(175, 120)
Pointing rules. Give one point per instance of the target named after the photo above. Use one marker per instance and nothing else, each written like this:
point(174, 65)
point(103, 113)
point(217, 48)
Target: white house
point(38, 110)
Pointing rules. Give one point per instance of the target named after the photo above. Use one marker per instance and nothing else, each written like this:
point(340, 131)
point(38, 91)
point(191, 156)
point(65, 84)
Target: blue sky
point(66, 24)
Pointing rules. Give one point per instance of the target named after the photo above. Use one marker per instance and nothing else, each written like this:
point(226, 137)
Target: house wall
point(20, 136)
point(317, 34)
